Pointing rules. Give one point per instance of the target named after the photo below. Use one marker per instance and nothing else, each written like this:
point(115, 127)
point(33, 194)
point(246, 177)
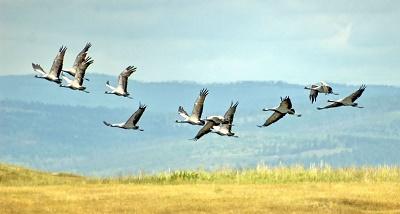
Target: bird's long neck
point(180, 121)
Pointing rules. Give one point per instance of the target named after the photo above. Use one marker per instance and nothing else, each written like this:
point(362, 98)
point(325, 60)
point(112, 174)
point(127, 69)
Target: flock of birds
point(221, 125)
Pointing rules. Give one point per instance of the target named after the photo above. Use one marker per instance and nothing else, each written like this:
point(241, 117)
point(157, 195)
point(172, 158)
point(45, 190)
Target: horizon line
point(220, 83)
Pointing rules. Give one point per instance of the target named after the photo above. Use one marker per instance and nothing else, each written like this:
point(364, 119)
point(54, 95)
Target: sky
point(341, 41)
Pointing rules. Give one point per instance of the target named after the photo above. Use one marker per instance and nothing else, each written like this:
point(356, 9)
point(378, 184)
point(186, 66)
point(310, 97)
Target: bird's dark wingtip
point(204, 92)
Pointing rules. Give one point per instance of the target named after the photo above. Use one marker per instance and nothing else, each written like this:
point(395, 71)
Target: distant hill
point(52, 128)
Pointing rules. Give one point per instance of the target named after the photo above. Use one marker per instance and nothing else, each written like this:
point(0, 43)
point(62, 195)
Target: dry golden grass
point(203, 198)
point(261, 190)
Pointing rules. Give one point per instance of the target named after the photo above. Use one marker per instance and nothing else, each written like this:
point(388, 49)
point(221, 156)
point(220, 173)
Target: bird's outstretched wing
point(134, 119)
point(230, 113)
point(354, 96)
point(58, 62)
point(273, 118)
point(123, 77)
point(204, 130)
point(285, 104)
point(38, 68)
point(313, 95)
point(198, 105)
point(323, 83)
point(333, 105)
point(182, 112)
point(80, 73)
point(82, 55)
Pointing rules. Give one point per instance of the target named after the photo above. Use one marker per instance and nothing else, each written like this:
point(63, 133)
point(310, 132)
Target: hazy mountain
point(52, 128)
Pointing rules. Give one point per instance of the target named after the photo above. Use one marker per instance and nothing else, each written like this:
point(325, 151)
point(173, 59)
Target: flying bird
point(224, 128)
point(347, 101)
point(77, 83)
point(80, 58)
point(55, 70)
point(207, 128)
point(195, 118)
point(321, 87)
point(131, 123)
point(218, 124)
point(121, 90)
point(285, 107)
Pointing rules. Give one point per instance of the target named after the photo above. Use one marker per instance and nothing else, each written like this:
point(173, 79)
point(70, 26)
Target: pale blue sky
point(341, 41)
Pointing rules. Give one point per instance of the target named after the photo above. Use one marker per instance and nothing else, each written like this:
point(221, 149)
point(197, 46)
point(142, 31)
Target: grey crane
point(131, 123)
point(56, 69)
point(122, 88)
point(347, 101)
point(218, 124)
point(285, 107)
point(77, 83)
point(195, 118)
point(321, 87)
point(225, 127)
point(80, 58)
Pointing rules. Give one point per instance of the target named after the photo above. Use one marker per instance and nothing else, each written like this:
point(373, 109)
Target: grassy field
point(260, 190)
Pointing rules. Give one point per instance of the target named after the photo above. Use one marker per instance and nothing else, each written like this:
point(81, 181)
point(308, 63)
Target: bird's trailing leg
point(127, 96)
